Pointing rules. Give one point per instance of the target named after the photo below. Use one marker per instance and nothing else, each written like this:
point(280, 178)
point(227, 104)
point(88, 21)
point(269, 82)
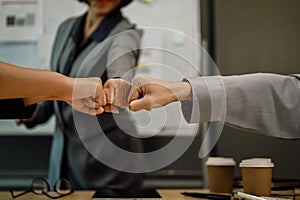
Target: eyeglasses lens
point(63, 187)
point(39, 186)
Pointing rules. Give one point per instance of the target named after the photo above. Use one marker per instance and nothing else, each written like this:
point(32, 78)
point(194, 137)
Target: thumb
point(133, 95)
point(139, 104)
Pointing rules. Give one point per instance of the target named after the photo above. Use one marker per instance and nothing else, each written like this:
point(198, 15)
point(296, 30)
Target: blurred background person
point(75, 39)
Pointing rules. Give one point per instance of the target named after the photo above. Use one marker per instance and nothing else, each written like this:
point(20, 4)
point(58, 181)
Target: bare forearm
point(36, 85)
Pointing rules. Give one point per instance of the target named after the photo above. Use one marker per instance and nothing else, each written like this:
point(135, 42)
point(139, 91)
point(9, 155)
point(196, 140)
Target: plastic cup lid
point(257, 162)
point(220, 161)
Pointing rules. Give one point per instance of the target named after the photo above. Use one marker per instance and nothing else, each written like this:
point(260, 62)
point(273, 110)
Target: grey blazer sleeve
point(123, 54)
point(264, 103)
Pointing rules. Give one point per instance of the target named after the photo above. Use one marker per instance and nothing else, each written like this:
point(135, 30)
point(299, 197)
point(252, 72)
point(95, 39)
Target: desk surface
point(78, 195)
point(166, 194)
point(175, 194)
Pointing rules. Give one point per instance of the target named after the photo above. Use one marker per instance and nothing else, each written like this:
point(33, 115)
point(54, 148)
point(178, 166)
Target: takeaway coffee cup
point(257, 176)
point(220, 174)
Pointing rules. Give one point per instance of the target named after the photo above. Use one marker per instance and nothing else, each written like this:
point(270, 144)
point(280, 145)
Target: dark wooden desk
point(166, 194)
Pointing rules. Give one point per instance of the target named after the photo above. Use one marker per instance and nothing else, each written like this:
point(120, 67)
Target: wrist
point(64, 88)
point(182, 91)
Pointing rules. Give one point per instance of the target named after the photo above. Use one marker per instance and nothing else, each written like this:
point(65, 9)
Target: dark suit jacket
point(15, 109)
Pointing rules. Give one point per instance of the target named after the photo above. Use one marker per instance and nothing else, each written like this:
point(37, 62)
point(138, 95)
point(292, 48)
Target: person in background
point(21, 88)
point(112, 40)
point(265, 103)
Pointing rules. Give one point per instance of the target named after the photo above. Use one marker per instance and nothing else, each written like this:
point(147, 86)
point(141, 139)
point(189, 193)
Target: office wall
point(177, 15)
point(254, 35)
point(258, 36)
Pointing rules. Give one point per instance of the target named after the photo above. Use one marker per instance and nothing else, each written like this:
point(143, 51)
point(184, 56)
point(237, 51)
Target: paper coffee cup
point(257, 176)
point(220, 174)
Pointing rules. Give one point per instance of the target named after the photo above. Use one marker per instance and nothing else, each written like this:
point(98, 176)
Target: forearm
point(33, 85)
point(264, 103)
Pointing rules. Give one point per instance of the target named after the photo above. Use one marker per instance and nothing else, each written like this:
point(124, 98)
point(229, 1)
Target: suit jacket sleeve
point(123, 54)
point(264, 103)
point(15, 109)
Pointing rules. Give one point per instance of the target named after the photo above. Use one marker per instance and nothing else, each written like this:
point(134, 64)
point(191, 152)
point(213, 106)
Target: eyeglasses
point(40, 186)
